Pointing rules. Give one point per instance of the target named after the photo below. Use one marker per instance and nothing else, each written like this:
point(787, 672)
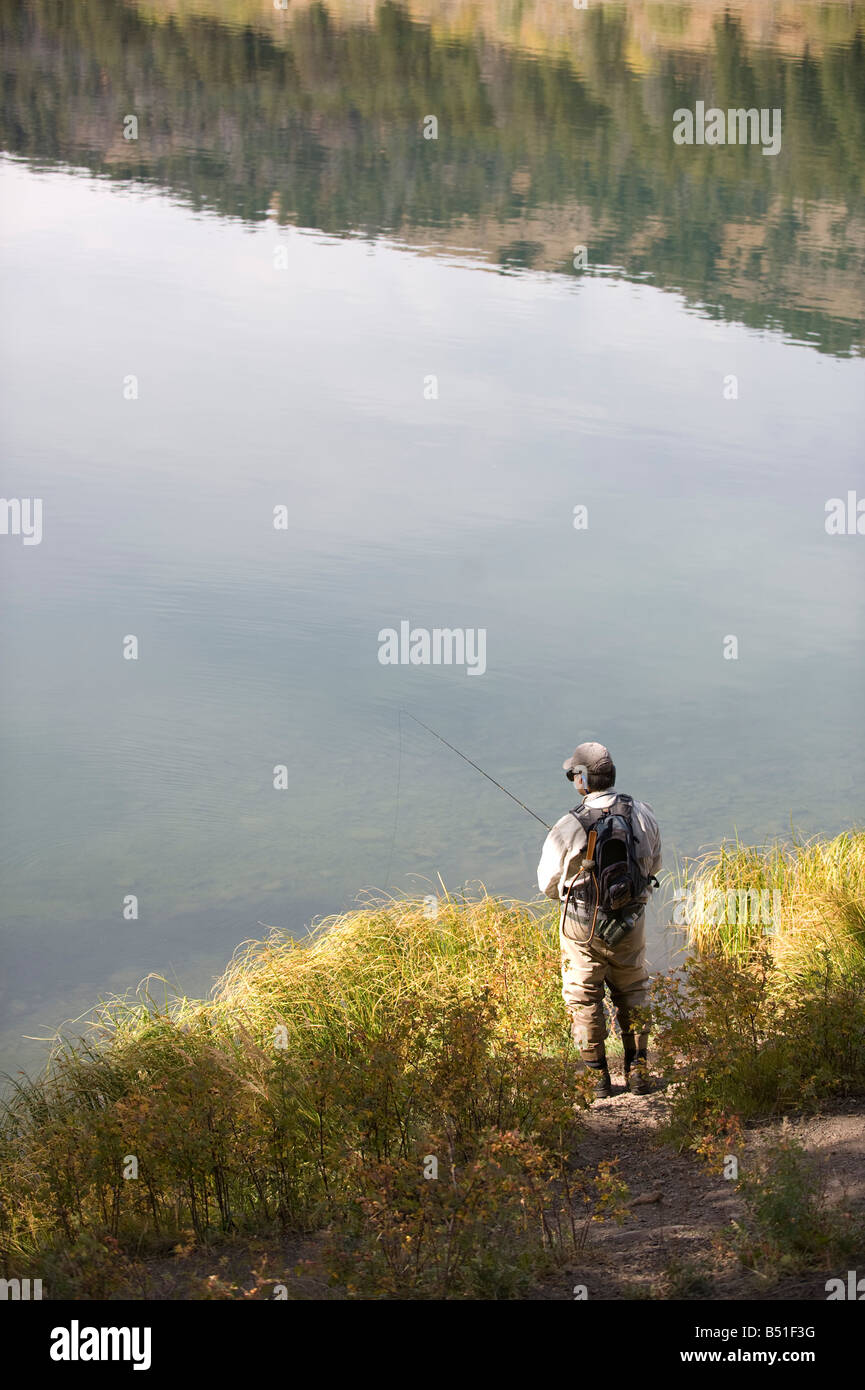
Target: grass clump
point(806, 899)
point(757, 1022)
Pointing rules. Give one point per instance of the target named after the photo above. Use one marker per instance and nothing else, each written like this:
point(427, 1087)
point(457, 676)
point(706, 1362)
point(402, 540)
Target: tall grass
point(818, 895)
point(766, 1017)
point(321, 1074)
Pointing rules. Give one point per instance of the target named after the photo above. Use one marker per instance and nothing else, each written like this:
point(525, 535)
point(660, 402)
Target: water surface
point(282, 260)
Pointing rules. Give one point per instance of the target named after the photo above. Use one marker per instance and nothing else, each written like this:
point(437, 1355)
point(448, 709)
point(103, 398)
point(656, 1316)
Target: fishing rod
point(477, 769)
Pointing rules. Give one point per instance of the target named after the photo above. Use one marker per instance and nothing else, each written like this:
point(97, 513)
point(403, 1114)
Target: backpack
point(611, 883)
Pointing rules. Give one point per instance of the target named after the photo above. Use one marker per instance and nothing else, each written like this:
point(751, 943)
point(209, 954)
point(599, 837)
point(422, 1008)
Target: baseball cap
point(593, 759)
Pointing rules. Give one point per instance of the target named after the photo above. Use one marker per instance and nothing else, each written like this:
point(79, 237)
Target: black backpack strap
point(598, 813)
point(629, 811)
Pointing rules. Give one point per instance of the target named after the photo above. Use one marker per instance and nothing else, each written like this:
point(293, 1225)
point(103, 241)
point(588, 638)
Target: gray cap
point(592, 758)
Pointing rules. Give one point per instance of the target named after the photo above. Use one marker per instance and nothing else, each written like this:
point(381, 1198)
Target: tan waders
point(588, 966)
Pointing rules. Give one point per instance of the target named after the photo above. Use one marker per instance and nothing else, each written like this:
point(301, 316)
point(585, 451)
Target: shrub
point(735, 1040)
point(790, 1227)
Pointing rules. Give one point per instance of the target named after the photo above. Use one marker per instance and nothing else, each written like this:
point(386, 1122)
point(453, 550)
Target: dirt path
point(668, 1247)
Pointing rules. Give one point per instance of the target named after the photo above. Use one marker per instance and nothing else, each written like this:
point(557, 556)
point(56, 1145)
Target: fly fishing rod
point(477, 769)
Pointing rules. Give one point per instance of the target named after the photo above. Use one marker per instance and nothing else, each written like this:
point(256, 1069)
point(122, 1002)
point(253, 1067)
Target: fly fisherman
point(600, 861)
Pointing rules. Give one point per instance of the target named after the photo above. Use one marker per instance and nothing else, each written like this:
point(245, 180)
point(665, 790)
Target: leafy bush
point(735, 1040)
point(790, 1226)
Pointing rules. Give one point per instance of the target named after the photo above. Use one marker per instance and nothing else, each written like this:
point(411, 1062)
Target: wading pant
point(586, 969)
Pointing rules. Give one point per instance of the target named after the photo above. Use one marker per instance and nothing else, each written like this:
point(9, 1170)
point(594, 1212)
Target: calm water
point(281, 260)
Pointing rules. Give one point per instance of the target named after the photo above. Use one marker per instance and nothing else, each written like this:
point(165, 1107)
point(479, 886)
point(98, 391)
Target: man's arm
point(562, 848)
point(652, 832)
point(658, 860)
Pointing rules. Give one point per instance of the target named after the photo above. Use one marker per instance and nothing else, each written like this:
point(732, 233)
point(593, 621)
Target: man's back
point(564, 849)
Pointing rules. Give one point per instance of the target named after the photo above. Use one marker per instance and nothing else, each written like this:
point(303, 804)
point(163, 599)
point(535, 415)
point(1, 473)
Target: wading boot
point(600, 1074)
point(637, 1077)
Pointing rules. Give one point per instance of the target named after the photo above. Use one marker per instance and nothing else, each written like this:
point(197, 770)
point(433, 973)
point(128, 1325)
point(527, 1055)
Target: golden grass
point(820, 887)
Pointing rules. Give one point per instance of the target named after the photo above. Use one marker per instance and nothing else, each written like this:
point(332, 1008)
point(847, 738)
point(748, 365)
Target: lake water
point(282, 262)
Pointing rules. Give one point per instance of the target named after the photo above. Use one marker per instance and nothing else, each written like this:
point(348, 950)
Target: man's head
point(590, 768)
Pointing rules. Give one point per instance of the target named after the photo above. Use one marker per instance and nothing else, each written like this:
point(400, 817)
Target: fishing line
point(459, 755)
point(475, 766)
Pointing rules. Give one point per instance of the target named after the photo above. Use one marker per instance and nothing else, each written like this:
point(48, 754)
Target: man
point(602, 926)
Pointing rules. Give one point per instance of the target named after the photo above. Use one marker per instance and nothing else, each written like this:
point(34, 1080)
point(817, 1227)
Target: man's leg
point(628, 979)
point(583, 975)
